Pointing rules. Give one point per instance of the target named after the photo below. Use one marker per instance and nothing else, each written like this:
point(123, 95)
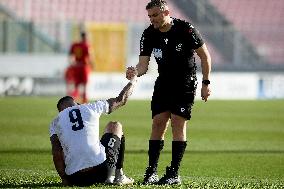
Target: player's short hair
point(157, 3)
point(83, 34)
point(64, 102)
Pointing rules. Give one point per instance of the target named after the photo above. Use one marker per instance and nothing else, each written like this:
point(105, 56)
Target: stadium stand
point(261, 21)
point(256, 24)
point(43, 13)
point(82, 10)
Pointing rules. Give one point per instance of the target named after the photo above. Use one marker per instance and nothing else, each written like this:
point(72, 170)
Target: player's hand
point(205, 92)
point(131, 72)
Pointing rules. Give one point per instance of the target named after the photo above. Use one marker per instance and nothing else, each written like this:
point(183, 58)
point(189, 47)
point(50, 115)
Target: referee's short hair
point(157, 3)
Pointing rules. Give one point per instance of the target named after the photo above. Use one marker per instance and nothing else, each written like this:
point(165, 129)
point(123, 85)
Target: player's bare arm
point(121, 99)
point(58, 158)
point(140, 69)
point(205, 58)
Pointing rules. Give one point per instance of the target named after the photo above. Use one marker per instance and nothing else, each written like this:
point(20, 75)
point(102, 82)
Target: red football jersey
point(81, 51)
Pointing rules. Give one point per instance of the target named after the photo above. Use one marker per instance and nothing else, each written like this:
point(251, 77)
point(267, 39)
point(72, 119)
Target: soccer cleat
point(150, 176)
point(123, 180)
point(109, 180)
point(171, 177)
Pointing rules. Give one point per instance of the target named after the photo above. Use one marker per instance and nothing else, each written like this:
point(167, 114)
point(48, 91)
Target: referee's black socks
point(178, 148)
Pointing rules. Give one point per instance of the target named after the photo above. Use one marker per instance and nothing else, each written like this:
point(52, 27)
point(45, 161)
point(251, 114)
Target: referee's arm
point(205, 58)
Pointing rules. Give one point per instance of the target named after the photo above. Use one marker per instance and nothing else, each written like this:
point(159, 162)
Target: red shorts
point(77, 74)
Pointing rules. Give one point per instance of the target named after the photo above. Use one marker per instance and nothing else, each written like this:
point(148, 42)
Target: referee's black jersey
point(173, 50)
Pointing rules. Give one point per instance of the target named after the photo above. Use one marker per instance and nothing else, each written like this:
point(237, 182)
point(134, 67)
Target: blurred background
point(245, 39)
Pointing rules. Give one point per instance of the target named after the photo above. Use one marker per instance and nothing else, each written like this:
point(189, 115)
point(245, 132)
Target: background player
point(77, 74)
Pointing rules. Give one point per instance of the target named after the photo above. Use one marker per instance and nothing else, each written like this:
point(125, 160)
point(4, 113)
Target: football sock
point(85, 100)
point(155, 148)
point(178, 148)
point(120, 159)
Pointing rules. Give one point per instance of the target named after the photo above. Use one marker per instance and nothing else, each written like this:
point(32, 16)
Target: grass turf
point(231, 144)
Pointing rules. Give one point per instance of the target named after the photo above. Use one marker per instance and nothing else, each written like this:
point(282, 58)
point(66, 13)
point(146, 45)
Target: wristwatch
point(206, 82)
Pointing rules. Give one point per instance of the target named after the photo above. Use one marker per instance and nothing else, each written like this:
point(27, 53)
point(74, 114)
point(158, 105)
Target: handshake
point(131, 74)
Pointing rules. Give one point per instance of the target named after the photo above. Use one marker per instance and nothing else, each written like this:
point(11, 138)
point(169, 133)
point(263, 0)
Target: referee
point(173, 43)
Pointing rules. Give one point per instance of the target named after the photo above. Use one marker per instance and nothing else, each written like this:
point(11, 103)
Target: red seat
point(262, 22)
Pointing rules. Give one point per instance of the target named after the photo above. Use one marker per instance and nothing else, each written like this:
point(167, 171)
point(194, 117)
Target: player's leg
point(156, 144)
point(76, 80)
point(114, 142)
point(179, 144)
point(180, 113)
point(84, 93)
point(85, 78)
point(76, 91)
point(69, 80)
point(120, 177)
point(160, 116)
point(80, 84)
point(90, 176)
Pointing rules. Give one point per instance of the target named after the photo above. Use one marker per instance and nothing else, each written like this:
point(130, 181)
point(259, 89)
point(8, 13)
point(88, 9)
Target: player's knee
point(178, 121)
point(114, 127)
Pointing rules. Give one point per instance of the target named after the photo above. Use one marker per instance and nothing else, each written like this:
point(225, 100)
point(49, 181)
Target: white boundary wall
point(105, 85)
point(223, 85)
point(43, 75)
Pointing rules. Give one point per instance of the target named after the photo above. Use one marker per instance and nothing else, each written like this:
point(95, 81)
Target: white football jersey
point(77, 128)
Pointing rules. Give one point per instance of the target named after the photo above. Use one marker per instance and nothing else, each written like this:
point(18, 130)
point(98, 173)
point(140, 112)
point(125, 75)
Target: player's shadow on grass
point(57, 185)
point(30, 185)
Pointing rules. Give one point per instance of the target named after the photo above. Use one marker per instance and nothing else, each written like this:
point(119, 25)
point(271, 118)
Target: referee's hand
point(205, 92)
point(131, 72)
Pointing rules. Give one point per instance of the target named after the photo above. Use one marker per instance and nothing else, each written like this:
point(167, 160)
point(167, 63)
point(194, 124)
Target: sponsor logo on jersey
point(166, 40)
point(158, 53)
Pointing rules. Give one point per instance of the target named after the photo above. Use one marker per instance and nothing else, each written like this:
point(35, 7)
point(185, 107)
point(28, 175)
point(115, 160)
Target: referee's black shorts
point(178, 102)
point(99, 173)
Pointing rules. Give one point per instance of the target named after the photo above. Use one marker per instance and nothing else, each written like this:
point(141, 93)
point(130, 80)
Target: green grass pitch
point(231, 144)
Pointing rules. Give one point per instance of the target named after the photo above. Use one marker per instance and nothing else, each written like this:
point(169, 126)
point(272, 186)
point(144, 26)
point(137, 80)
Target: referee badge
point(179, 47)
